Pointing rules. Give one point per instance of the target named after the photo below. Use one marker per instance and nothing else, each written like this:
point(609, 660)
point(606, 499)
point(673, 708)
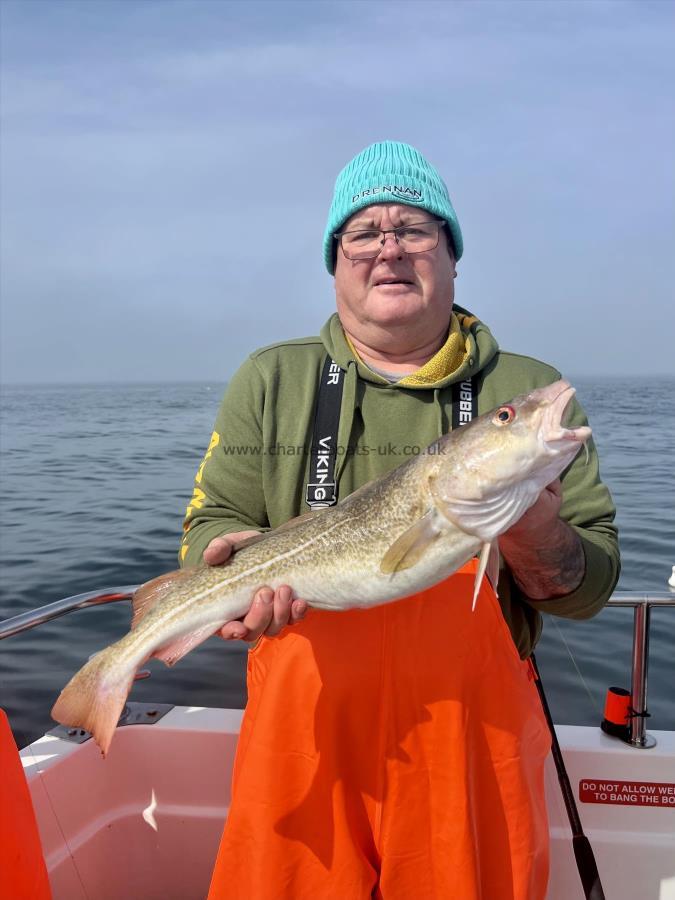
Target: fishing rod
point(583, 852)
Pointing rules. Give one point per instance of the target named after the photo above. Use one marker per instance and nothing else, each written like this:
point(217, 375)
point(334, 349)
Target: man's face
point(394, 288)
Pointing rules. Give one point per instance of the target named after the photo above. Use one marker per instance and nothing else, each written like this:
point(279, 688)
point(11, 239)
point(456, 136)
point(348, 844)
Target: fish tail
point(95, 696)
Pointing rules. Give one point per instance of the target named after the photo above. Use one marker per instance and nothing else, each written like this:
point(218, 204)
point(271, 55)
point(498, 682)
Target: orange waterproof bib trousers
point(396, 753)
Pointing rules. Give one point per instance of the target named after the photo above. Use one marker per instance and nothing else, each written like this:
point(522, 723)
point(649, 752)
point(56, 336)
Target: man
point(395, 752)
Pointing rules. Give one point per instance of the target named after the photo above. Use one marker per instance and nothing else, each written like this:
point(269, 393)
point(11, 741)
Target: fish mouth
point(556, 436)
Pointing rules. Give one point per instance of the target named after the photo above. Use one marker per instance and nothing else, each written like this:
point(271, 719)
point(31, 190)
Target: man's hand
point(270, 611)
point(544, 553)
point(542, 515)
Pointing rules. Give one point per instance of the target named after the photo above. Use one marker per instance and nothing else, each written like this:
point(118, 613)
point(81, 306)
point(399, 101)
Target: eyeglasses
point(367, 243)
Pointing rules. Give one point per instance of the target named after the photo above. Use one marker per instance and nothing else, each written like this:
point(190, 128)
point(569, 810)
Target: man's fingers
point(233, 631)
point(270, 612)
point(259, 616)
point(281, 610)
point(287, 611)
point(218, 551)
point(298, 611)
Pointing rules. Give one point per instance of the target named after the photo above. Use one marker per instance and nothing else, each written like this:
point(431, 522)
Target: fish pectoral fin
point(493, 565)
point(489, 562)
point(173, 651)
point(149, 594)
point(484, 554)
point(411, 546)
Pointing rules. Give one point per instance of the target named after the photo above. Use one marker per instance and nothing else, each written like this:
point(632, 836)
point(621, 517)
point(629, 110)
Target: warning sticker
point(628, 793)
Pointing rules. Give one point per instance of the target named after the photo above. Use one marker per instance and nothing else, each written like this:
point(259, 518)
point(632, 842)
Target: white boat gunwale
point(150, 803)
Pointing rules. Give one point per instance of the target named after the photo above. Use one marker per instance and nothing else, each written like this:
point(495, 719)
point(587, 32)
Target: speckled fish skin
point(402, 533)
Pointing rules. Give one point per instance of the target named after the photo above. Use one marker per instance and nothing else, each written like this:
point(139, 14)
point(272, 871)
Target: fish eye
point(504, 415)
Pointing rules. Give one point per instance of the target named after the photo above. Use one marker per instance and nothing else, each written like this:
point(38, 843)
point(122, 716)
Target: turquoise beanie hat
point(388, 172)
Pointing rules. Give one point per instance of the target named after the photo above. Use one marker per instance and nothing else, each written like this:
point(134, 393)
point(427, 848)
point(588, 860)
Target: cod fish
point(397, 535)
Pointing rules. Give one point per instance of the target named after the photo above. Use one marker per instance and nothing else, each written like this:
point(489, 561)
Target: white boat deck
point(144, 824)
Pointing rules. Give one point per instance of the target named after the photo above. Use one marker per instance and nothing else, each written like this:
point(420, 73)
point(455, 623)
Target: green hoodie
point(256, 468)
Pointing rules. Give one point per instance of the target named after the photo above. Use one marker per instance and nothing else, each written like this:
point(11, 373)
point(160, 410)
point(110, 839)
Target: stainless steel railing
point(641, 603)
point(35, 617)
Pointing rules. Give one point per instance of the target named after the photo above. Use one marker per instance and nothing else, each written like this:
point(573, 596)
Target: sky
point(166, 168)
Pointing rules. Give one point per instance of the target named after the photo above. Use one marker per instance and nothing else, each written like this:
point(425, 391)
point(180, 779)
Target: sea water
point(94, 482)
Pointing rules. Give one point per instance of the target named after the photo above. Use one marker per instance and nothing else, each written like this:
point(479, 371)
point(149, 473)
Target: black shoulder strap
point(464, 402)
point(321, 488)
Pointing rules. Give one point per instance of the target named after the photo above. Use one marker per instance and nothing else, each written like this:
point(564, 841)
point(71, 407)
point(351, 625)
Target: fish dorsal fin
point(287, 526)
point(411, 546)
point(246, 542)
point(489, 561)
point(149, 594)
point(298, 520)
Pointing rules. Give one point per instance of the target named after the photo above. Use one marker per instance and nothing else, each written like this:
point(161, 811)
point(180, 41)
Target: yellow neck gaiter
point(444, 362)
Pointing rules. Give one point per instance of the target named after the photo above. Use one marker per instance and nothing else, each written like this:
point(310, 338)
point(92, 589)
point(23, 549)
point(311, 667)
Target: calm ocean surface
point(94, 482)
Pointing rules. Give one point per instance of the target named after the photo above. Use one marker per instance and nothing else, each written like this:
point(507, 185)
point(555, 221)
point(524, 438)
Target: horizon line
point(224, 380)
